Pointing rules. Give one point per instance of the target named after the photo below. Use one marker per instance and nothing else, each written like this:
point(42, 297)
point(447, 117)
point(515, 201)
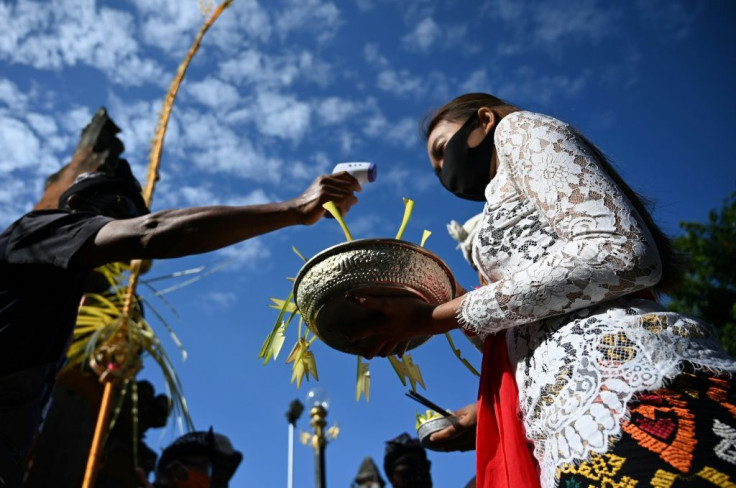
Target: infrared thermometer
point(363, 171)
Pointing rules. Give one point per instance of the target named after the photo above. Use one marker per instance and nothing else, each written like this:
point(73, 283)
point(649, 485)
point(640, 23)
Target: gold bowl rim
point(367, 243)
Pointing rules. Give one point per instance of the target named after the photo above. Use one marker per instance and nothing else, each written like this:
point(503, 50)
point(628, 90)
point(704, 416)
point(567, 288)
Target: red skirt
point(503, 454)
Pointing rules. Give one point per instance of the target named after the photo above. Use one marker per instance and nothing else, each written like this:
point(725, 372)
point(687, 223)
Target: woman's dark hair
point(459, 110)
point(463, 107)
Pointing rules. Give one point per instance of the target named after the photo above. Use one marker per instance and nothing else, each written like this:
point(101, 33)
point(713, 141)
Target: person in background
point(368, 475)
point(405, 463)
point(196, 460)
point(46, 257)
point(611, 389)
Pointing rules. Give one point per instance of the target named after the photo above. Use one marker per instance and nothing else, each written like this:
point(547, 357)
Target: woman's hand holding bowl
point(398, 320)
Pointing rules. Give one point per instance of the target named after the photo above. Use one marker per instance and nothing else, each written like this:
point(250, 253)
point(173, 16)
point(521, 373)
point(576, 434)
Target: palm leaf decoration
point(114, 345)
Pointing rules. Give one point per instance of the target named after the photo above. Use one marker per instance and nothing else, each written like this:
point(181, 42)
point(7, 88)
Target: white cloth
point(465, 234)
point(561, 246)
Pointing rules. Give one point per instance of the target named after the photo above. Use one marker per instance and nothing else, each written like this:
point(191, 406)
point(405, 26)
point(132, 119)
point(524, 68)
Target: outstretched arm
point(182, 232)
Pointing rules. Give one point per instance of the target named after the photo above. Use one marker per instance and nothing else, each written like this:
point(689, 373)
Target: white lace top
point(561, 246)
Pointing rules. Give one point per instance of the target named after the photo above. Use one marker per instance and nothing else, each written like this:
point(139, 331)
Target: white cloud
point(365, 4)
point(503, 10)
point(256, 197)
point(244, 22)
point(374, 125)
point(527, 85)
point(404, 179)
point(404, 132)
point(282, 115)
point(213, 93)
point(424, 35)
point(477, 82)
point(193, 196)
point(299, 171)
point(215, 148)
point(270, 71)
point(47, 128)
point(21, 147)
point(319, 18)
point(44, 125)
point(51, 35)
point(374, 57)
point(16, 198)
point(255, 67)
point(322, 163)
point(347, 142)
point(75, 119)
point(248, 254)
point(335, 110)
point(204, 195)
point(169, 25)
point(315, 69)
point(10, 96)
point(400, 82)
point(28, 158)
point(137, 120)
point(220, 300)
point(578, 20)
point(369, 226)
point(548, 25)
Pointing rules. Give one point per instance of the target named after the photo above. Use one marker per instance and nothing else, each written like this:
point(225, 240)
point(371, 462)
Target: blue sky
point(283, 90)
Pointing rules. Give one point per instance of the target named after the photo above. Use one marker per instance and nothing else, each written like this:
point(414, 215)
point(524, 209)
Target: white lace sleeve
point(596, 246)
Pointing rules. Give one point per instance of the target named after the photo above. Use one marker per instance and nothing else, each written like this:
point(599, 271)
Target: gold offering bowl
point(378, 267)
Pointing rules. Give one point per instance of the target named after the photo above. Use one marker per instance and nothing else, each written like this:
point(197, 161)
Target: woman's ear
point(488, 119)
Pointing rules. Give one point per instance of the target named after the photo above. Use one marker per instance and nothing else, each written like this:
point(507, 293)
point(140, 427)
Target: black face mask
point(466, 171)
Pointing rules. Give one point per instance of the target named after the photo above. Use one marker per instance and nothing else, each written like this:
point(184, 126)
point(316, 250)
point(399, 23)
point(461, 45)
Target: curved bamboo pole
point(152, 176)
point(90, 472)
point(157, 145)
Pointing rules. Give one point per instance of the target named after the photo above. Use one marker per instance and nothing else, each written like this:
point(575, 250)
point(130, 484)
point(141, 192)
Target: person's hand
point(397, 321)
point(337, 188)
point(460, 436)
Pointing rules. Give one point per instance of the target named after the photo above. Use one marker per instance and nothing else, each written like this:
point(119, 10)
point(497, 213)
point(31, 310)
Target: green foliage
point(708, 290)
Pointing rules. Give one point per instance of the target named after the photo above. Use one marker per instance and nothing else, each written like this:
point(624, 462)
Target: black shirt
point(41, 286)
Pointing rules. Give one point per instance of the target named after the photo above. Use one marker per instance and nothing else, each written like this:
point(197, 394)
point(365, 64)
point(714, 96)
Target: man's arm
point(182, 232)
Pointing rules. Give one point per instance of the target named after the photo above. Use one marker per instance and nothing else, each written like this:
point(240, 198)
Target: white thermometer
point(363, 171)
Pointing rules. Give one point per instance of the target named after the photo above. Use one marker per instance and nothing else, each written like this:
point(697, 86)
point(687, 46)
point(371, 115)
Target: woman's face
point(462, 154)
point(444, 131)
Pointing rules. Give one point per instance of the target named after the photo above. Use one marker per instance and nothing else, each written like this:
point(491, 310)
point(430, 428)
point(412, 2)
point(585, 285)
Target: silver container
point(378, 267)
point(429, 427)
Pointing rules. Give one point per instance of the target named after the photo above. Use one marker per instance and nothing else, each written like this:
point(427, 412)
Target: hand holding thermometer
point(363, 171)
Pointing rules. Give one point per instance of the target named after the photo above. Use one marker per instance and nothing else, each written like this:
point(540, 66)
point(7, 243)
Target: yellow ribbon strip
point(296, 251)
point(363, 383)
point(425, 236)
point(459, 355)
point(406, 369)
point(408, 209)
point(332, 208)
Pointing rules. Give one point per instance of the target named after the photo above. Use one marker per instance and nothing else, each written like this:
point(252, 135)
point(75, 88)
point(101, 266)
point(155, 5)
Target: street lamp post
point(292, 415)
point(319, 402)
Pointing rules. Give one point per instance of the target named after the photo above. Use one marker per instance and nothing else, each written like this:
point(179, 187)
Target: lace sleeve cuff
point(479, 311)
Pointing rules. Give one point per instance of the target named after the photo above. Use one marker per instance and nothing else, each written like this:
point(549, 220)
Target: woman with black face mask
point(581, 365)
